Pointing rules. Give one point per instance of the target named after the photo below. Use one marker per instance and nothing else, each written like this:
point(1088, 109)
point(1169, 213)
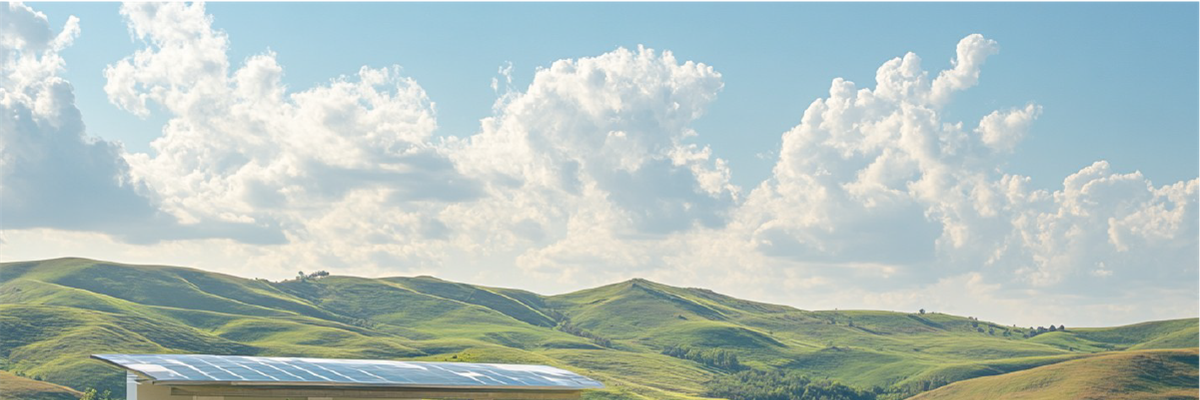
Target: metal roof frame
point(558, 383)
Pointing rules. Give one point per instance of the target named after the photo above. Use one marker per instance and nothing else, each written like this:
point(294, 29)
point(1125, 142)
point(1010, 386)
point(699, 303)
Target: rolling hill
point(20, 388)
point(1137, 374)
point(643, 339)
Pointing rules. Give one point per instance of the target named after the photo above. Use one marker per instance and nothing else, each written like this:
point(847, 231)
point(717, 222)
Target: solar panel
point(197, 369)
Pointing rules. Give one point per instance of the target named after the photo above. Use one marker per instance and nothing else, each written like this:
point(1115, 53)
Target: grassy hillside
point(54, 313)
point(1139, 374)
point(21, 388)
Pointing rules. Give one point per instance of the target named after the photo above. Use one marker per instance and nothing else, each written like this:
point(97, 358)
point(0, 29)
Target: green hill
point(643, 339)
point(21, 388)
point(1138, 374)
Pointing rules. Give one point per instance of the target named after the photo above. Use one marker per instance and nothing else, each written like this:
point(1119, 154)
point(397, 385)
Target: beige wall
point(144, 390)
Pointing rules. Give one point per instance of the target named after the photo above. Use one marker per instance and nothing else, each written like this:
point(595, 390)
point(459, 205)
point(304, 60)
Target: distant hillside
point(1138, 374)
point(643, 339)
point(19, 388)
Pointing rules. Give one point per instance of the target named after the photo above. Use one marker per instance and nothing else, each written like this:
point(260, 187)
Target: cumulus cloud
point(595, 147)
point(597, 150)
point(878, 177)
point(1002, 130)
point(875, 175)
point(57, 176)
point(52, 173)
point(239, 148)
point(970, 54)
point(1121, 222)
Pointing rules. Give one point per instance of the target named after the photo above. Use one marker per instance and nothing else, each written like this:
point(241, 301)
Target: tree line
point(750, 384)
point(716, 358)
point(779, 385)
point(567, 327)
point(1040, 330)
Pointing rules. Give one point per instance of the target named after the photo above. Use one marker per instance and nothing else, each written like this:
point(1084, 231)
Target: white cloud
point(183, 66)
point(594, 149)
point(239, 149)
point(1120, 221)
point(1003, 130)
point(971, 52)
point(593, 157)
point(875, 175)
point(52, 173)
point(878, 176)
point(29, 32)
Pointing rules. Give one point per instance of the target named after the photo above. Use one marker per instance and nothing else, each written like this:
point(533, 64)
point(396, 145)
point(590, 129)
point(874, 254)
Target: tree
point(922, 311)
point(314, 275)
point(91, 394)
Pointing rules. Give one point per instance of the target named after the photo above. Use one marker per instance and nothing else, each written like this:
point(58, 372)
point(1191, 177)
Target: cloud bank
point(590, 174)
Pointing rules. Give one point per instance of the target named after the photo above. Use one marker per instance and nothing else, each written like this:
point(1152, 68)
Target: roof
point(198, 369)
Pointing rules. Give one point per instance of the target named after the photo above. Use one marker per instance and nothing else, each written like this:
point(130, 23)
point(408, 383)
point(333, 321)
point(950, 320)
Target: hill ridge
point(645, 339)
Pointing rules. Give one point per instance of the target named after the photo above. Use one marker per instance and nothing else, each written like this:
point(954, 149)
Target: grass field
point(1137, 374)
point(54, 313)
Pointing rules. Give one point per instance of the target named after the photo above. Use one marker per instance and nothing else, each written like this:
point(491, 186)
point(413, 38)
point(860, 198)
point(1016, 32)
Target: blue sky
point(1078, 60)
point(389, 152)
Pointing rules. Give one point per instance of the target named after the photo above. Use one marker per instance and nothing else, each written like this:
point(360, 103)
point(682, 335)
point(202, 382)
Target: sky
point(1022, 163)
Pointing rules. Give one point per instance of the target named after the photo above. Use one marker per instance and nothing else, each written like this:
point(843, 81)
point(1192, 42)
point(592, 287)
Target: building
point(213, 377)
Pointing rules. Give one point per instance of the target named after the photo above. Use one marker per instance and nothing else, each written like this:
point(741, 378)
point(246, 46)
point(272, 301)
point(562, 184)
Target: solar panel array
point(212, 369)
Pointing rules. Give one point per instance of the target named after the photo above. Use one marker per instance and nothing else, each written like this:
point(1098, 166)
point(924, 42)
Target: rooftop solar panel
point(196, 369)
